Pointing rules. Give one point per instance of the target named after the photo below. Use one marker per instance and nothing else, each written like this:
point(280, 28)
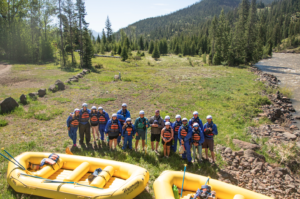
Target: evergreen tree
point(193, 49)
point(124, 53)
point(126, 43)
point(88, 49)
point(141, 43)
point(204, 58)
point(146, 45)
point(81, 16)
point(156, 53)
point(109, 31)
point(103, 38)
point(251, 32)
point(185, 49)
point(98, 39)
point(151, 47)
point(119, 50)
point(176, 49)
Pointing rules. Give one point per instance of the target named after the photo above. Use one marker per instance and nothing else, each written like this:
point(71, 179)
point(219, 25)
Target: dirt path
point(4, 68)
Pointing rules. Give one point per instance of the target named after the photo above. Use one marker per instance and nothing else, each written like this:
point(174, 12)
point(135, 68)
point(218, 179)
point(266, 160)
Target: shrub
point(137, 58)
point(149, 64)
point(143, 54)
point(180, 55)
point(3, 122)
point(99, 66)
point(190, 62)
point(112, 53)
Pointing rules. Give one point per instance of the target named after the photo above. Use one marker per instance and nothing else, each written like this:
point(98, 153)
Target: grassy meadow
point(171, 84)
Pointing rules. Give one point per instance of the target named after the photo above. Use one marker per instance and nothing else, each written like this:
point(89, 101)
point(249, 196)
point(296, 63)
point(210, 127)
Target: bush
point(180, 55)
point(99, 66)
point(3, 122)
point(190, 62)
point(112, 54)
point(137, 58)
point(204, 58)
point(143, 54)
point(149, 64)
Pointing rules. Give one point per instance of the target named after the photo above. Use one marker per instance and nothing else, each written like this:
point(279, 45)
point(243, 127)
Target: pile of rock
point(249, 170)
point(78, 76)
point(270, 80)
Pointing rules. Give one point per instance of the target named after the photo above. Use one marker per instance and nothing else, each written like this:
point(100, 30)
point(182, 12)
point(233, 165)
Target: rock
point(42, 92)
point(294, 127)
point(289, 136)
point(228, 150)
point(250, 153)
point(79, 76)
point(23, 99)
point(116, 77)
point(220, 148)
point(297, 117)
point(86, 71)
point(33, 95)
point(60, 85)
point(8, 104)
point(52, 88)
point(74, 80)
point(239, 153)
point(245, 145)
point(68, 81)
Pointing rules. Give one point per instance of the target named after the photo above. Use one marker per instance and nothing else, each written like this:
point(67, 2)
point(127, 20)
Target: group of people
point(191, 135)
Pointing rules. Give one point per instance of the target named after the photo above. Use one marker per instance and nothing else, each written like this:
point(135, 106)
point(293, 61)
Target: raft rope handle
point(18, 165)
point(207, 181)
point(53, 181)
point(19, 181)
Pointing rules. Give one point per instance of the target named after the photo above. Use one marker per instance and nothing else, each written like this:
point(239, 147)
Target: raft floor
point(61, 174)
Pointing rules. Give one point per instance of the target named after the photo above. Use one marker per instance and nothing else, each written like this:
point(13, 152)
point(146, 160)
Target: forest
point(221, 35)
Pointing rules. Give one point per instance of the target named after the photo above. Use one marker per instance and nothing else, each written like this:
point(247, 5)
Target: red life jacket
point(114, 128)
point(74, 122)
point(177, 126)
point(167, 133)
point(129, 129)
point(196, 135)
point(85, 116)
point(102, 119)
point(94, 118)
point(184, 131)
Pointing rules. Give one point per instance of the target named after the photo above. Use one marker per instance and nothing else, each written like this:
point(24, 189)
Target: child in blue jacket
point(128, 132)
point(210, 130)
point(197, 140)
point(72, 124)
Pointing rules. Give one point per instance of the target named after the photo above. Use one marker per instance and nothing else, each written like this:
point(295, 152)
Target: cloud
point(160, 4)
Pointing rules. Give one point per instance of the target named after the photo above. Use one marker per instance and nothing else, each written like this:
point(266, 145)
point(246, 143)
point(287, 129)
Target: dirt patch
point(4, 68)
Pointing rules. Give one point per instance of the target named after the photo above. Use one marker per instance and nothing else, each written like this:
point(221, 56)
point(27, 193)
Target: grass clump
point(62, 99)
point(3, 122)
point(100, 100)
point(287, 92)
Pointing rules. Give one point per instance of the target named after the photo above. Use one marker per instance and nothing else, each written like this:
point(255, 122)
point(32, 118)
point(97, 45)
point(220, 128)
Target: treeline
point(28, 34)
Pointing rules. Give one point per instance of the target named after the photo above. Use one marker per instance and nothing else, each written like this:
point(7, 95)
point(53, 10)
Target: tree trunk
point(61, 36)
point(80, 40)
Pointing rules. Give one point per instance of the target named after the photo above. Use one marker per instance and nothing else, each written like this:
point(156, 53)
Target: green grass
point(100, 100)
point(229, 94)
point(3, 122)
point(62, 99)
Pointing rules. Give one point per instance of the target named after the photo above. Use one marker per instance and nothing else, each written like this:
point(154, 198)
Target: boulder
point(86, 71)
point(249, 153)
point(8, 104)
point(68, 81)
point(289, 136)
point(294, 127)
point(42, 92)
point(245, 145)
point(23, 99)
point(220, 148)
point(228, 150)
point(74, 80)
point(79, 76)
point(60, 85)
point(52, 88)
point(33, 95)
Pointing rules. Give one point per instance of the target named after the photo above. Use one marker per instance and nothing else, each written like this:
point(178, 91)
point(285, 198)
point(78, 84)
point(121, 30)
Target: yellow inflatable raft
point(163, 187)
point(69, 177)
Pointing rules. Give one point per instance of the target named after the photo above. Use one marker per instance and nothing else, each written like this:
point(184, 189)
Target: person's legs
point(81, 133)
point(165, 150)
point(115, 143)
point(129, 140)
point(110, 144)
point(93, 132)
point(212, 155)
point(200, 152)
point(143, 144)
point(74, 135)
point(119, 139)
point(188, 151)
point(156, 147)
point(97, 132)
point(125, 142)
point(87, 133)
point(168, 150)
point(136, 144)
point(194, 152)
point(101, 129)
point(206, 153)
point(174, 146)
point(152, 146)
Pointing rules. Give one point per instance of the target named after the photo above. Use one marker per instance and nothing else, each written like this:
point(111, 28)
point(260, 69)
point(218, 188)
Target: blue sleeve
point(127, 114)
point(69, 120)
point(173, 127)
point(106, 116)
point(201, 137)
point(189, 135)
point(147, 122)
point(119, 112)
point(107, 126)
point(215, 130)
point(198, 193)
point(120, 127)
point(133, 130)
point(190, 122)
point(179, 137)
point(123, 132)
point(201, 125)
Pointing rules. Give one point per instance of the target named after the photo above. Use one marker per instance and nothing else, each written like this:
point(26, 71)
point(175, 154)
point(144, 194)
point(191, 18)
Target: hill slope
point(188, 17)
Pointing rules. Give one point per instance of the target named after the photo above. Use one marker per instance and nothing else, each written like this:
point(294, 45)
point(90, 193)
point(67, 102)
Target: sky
point(124, 12)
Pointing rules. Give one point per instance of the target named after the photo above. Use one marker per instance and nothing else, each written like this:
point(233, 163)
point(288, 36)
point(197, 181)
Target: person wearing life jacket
point(141, 124)
point(210, 130)
point(167, 119)
point(122, 115)
point(84, 124)
point(157, 124)
point(94, 120)
point(128, 132)
point(103, 119)
point(113, 130)
point(197, 120)
point(167, 135)
point(197, 140)
point(185, 136)
point(175, 126)
point(72, 124)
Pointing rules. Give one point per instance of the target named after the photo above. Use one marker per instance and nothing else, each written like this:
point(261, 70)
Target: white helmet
point(195, 125)
point(85, 104)
point(100, 108)
point(178, 116)
point(167, 117)
point(209, 117)
point(142, 112)
point(128, 120)
point(195, 113)
point(94, 107)
point(76, 110)
point(114, 115)
point(184, 119)
point(167, 124)
point(124, 104)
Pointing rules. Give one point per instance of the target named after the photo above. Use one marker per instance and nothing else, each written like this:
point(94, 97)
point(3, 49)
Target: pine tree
point(109, 31)
point(251, 32)
point(151, 47)
point(126, 43)
point(204, 58)
point(193, 49)
point(119, 50)
point(124, 53)
point(103, 38)
point(176, 49)
point(88, 49)
point(141, 43)
point(156, 53)
point(98, 39)
point(224, 36)
point(61, 33)
point(81, 16)
point(69, 10)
